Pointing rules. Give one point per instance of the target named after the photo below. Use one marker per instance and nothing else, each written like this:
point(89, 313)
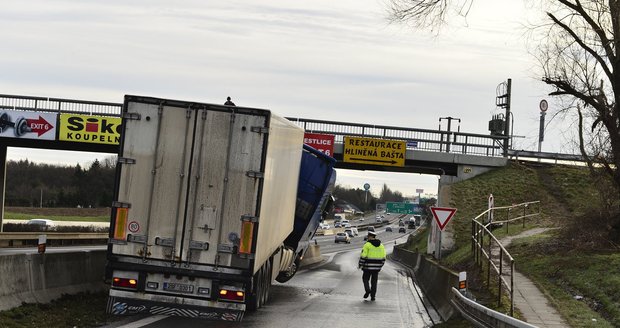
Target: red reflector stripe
point(120, 223)
point(247, 232)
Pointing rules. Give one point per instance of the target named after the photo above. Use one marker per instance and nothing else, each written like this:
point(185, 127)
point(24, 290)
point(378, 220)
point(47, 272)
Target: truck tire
point(254, 299)
point(266, 283)
point(285, 276)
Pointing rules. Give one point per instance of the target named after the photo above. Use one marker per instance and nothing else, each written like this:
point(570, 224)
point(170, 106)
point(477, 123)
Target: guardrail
point(11, 239)
point(482, 316)
point(480, 231)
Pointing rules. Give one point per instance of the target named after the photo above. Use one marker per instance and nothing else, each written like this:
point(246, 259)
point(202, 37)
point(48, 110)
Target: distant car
point(324, 225)
point(342, 237)
point(360, 219)
point(346, 225)
point(382, 216)
point(402, 230)
point(378, 220)
point(337, 224)
point(349, 233)
point(388, 229)
point(401, 224)
point(41, 222)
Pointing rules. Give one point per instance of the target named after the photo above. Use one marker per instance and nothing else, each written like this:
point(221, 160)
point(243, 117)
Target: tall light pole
point(502, 100)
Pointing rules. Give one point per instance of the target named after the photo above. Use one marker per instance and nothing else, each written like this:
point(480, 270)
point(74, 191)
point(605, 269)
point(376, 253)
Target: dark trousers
point(373, 276)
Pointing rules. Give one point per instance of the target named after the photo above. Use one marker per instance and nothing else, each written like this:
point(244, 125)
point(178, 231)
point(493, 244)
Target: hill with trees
point(30, 184)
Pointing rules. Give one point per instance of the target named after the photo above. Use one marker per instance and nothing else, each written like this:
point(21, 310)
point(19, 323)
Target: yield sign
point(442, 215)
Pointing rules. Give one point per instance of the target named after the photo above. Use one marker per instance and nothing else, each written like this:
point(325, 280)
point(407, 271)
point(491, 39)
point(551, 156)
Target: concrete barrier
point(41, 278)
point(312, 256)
point(435, 280)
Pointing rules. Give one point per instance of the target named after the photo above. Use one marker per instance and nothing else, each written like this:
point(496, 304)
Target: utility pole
point(449, 119)
point(502, 100)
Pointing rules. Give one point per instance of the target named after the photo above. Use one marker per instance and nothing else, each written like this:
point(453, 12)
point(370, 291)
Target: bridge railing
point(58, 105)
point(419, 139)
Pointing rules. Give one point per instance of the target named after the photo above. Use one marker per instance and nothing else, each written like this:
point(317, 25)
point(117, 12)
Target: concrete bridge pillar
point(442, 242)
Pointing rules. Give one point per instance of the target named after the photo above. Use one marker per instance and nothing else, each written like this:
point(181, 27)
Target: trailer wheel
point(285, 276)
point(266, 283)
point(254, 300)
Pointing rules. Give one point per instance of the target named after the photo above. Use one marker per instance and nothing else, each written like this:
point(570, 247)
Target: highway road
point(330, 295)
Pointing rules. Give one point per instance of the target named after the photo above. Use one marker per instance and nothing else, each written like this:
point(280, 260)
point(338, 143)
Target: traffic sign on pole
point(442, 215)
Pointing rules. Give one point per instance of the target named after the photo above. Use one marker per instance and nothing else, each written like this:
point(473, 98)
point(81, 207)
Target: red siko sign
point(321, 142)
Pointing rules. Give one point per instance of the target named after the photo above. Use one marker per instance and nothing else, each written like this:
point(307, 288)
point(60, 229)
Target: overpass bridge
point(425, 151)
point(79, 125)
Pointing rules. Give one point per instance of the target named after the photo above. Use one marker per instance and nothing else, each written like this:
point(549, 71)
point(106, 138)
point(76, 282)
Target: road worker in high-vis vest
point(371, 262)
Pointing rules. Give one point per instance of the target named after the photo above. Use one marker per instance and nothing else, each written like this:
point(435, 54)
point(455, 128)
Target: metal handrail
point(478, 232)
point(432, 140)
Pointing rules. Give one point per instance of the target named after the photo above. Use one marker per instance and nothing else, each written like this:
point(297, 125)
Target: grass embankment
point(82, 310)
point(58, 214)
point(582, 282)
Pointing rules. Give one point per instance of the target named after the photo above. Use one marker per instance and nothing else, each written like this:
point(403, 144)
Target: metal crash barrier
point(18, 239)
point(482, 316)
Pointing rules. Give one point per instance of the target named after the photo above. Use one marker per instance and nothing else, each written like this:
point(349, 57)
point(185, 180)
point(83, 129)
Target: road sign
point(491, 205)
point(543, 105)
point(442, 215)
point(320, 142)
point(382, 152)
point(366, 186)
point(402, 208)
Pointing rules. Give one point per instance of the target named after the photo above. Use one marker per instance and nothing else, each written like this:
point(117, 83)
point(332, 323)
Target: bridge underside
point(59, 145)
point(411, 166)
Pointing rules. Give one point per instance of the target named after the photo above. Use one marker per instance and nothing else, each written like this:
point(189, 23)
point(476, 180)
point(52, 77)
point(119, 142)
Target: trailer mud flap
point(124, 306)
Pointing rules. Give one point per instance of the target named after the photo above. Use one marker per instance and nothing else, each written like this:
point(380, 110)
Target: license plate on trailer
point(181, 288)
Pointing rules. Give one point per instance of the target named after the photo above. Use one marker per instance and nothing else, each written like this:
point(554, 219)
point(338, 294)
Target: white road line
point(144, 322)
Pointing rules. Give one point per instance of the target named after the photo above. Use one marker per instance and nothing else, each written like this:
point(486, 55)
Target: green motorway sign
point(402, 208)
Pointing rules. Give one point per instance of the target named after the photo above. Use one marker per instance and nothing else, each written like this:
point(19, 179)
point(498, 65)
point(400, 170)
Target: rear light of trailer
point(125, 282)
point(232, 295)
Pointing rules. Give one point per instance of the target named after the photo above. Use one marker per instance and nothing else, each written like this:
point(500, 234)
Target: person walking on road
point(371, 262)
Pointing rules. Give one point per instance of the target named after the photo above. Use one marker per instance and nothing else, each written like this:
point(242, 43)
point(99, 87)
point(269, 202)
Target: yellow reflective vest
point(373, 256)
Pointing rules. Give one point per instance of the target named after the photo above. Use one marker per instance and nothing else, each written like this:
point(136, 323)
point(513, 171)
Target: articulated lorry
point(212, 203)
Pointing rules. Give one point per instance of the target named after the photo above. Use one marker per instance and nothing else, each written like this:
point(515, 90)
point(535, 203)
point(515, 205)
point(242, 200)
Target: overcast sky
point(320, 59)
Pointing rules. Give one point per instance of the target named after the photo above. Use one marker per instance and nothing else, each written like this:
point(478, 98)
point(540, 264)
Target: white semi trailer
point(205, 198)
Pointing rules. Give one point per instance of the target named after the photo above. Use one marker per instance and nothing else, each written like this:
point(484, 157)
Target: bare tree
point(580, 59)
point(578, 56)
point(427, 14)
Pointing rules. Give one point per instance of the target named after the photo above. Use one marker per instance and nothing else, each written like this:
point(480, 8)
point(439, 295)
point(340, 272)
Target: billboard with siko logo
point(90, 129)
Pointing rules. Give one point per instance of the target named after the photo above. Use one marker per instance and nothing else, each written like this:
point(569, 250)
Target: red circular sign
point(133, 226)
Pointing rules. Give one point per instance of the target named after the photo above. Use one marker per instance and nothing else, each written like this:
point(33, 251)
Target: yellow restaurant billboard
point(90, 129)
